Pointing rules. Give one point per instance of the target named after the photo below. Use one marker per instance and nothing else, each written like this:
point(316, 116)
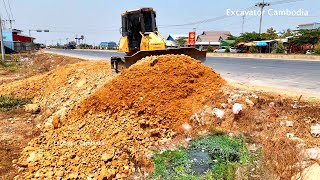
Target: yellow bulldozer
point(140, 38)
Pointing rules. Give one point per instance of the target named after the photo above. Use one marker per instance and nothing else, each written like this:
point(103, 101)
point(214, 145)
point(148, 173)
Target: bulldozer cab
point(136, 21)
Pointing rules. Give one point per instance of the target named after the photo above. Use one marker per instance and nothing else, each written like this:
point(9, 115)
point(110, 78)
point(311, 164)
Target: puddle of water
point(200, 161)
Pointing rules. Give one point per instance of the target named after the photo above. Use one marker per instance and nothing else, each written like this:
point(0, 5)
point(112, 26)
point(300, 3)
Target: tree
point(271, 34)
point(317, 48)
point(85, 46)
point(210, 49)
point(248, 37)
point(253, 49)
point(287, 33)
point(231, 37)
point(306, 36)
point(181, 41)
point(280, 49)
point(227, 50)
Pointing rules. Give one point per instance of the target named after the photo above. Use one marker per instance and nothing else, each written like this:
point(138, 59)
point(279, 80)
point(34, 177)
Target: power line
point(10, 9)
point(225, 16)
point(5, 7)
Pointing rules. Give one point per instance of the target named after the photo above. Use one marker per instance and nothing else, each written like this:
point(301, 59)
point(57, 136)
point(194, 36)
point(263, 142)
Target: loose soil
point(52, 91)
point(131, 115)
point(24, 66)
point(95, 125)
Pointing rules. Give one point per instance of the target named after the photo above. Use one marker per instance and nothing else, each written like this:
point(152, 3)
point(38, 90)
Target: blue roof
point(170, 38)
point(261, 44)
point(104, 43)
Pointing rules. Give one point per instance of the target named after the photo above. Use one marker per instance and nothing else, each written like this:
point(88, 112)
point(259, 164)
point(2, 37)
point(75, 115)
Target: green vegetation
point(10, 66)
point(253, 49)
point(210, 48)
point(227, 50)
point(280, 49)
point(317, 48)
point(287, 33)
point(86, 46)
point(181, 41)
point(306, 37)
point(10, 102)
point(213, 157)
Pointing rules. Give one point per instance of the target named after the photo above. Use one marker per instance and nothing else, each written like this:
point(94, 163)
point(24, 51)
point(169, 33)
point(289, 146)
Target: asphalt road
point(294, 76)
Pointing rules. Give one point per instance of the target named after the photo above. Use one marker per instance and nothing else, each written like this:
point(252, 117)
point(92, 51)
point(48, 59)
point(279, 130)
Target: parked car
point(223, 49)
point(309, 51)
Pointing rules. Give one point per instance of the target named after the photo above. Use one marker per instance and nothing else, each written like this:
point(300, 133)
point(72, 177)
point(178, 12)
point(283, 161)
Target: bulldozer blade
point(192, 52)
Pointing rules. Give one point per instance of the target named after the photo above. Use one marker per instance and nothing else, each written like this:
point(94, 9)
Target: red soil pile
point(112, 133)
point(170, 88)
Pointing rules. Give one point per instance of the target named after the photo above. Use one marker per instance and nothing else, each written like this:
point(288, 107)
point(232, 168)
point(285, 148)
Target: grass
point(225, 155)
point(10, 66)
point(10, 102)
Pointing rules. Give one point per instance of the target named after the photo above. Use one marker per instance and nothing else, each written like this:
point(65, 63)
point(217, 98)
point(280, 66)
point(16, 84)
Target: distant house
point(171, 40)
point(314, 25)
point(15, 41)
point(108, 45)
point(212, 38)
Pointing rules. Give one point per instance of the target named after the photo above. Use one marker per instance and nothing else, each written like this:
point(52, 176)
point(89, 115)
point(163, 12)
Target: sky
point(100, 20)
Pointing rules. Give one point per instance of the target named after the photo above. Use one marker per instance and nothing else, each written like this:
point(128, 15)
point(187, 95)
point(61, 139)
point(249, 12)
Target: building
point(171, 40)
point(314, 25)
point(108, 45)
point(212, 38)
point(15, 41)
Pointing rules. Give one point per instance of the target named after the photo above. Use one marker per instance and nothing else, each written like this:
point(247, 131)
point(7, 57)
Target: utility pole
point(2, 42)
point(243, 18)
point(261, 5)
point(10, 21)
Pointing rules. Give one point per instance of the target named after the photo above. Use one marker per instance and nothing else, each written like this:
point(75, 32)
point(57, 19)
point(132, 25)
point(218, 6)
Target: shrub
point(253, 49)
point(9, 102)
point(210, 49)
point(280, 49)
point(317, 51)
point(227, 50)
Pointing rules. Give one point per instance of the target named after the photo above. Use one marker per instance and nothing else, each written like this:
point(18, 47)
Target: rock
point(33, 157)
point(81, 83)
point(32, 108)
point(249, 102)
point(290, 135)
point(73, 176)
point(195, 118)
point(59, 173)
point(312, 153)
point(107, 156)
point(155, 132)
point(233, 97)
point(236, 108)
point(218, 113)
point(271, 105)
point(224, 105)
point(310, 173)
point(56, 121)
point(253, 147)
point(289, 123)
point(14, 161)
point(107, 173)
point(315, 131)
point(186, 127)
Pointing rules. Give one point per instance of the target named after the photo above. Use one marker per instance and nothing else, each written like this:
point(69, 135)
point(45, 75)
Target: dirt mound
point(44, 62)
point(167, 87)
point(58, 89)
point(27, 65)
point(113, 131)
